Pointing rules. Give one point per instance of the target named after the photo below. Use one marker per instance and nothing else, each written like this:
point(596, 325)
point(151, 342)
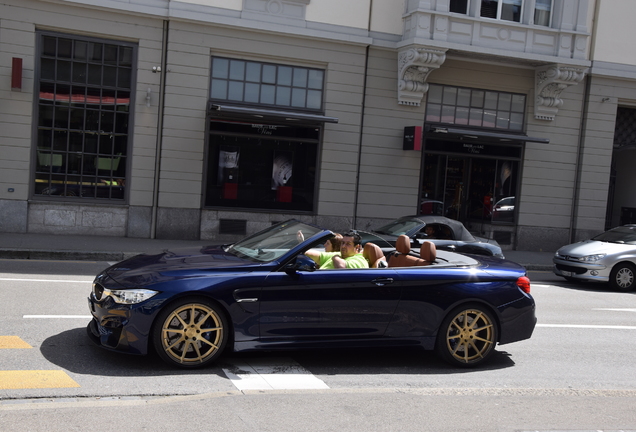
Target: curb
point(70, 255)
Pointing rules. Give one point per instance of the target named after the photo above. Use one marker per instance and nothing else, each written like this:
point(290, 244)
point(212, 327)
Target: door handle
point(382, 281)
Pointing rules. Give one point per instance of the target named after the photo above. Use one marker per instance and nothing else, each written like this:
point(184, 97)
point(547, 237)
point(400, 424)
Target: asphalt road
point(575, 373)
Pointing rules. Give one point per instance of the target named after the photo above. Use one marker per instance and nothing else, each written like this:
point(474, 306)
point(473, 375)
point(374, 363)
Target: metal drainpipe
point(364, 97)
point(160, 114)
point(583, 125)
point(579, 160)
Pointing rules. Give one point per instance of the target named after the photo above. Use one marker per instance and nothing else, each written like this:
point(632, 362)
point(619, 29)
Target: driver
point(350, 255)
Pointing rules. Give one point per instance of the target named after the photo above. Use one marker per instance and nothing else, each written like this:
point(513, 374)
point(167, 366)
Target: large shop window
point(85, 87)
point(471, 169)
point(262, 166)
point(475, 108)
point(267, 84)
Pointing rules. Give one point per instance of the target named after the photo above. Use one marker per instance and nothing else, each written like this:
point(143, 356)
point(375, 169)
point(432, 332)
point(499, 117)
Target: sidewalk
point(103, 248)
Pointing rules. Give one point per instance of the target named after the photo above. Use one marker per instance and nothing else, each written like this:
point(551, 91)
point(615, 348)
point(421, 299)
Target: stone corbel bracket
point(550, 81)
point(414, 66)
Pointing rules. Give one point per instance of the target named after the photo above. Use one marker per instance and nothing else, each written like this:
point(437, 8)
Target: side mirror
point(301, 263)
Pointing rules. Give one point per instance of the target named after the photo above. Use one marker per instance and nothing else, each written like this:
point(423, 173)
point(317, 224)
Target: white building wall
point(615, 32)
point(18, 39)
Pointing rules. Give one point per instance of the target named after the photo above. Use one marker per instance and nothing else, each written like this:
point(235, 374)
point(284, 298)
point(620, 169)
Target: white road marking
point(615, 309)
point(45, 280)
point(58, 316)
point(272, 374)
point(587, 326)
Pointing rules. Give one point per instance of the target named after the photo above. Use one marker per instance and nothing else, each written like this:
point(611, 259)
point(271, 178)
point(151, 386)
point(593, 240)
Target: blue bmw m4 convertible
point(265, 292)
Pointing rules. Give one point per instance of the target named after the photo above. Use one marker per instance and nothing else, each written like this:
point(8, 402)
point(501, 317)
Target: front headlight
point(129, 296)
point(592, 258)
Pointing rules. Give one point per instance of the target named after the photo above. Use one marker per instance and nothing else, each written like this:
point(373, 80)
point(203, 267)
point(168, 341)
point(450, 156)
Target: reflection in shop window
point(83, 117)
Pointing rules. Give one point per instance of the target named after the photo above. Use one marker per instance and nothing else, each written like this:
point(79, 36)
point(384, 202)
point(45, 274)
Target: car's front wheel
point(467, 336)
point(190, 333)
point(622, 277)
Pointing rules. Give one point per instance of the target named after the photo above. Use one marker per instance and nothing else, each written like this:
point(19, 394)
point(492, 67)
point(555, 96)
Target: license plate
point(566, 273)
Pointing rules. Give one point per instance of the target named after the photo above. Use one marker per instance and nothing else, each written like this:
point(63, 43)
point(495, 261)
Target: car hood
point(145, 269)
point(592, 247)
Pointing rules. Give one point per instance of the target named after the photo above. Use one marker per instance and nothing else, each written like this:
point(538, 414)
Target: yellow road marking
point(15, 380)
point(13, 342)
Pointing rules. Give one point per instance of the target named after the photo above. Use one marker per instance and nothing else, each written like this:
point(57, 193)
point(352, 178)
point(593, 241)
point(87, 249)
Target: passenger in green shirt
point(350, 255)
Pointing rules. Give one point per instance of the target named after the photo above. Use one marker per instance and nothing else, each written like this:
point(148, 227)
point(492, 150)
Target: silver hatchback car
point(608, 257)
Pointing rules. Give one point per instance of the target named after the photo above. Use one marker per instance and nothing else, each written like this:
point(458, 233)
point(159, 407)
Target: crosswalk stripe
point(13, 342)
point(35, 379)
point(272, 374)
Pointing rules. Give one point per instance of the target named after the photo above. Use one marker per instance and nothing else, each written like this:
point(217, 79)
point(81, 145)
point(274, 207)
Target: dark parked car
point(192, 304)
point(608, 257)
point(449, 234)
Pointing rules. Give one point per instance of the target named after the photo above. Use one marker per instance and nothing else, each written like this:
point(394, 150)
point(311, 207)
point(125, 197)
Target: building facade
point(212, 119)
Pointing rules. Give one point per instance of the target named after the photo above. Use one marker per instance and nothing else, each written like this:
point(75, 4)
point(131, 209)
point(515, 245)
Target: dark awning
point(440, 131)
point(219, 110)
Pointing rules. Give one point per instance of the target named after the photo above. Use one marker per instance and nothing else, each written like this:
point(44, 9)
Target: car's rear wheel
point(622, 277)
point(467, 336)
point(190, 333)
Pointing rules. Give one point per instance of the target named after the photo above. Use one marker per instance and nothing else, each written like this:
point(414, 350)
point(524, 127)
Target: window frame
point(104, 184)
point(277, 86)
point(550, 11)
point(500, 4)
point(478, 105)
point(465, 12)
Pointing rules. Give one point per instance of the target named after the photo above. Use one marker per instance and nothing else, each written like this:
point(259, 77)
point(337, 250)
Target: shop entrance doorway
point(472, 190)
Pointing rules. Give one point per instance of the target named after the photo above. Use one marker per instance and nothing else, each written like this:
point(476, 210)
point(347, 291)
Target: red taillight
point(524, 283)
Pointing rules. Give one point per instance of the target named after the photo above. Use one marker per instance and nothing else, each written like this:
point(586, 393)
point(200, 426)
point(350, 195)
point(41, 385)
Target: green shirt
point(356, 261)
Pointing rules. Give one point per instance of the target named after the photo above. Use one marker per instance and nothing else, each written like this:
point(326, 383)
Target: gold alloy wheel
point(192, 333)
point(470, 336)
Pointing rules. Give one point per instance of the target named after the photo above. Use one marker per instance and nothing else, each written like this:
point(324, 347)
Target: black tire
point(190, 333)
point(623, 277)
point(467, 336)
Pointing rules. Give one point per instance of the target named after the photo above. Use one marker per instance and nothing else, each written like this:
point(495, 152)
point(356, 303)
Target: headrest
point(428, 251)
point(403, 244)
point(372, 253)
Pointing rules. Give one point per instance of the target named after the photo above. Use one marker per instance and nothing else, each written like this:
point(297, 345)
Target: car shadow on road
point(72, 350)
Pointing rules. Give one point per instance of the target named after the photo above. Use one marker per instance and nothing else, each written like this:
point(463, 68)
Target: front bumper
point(124, 328)
point(581, 271)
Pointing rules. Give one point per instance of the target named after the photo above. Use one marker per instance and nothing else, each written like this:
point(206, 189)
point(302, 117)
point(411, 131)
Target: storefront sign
point(412, 138)
point(465, 148)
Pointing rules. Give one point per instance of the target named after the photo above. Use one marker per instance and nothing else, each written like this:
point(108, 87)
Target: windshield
point(399, 227)
point(622, 234)
point(273, 242)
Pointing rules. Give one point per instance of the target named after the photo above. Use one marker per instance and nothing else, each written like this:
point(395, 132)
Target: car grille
point(569, 258)
point(571, 269)
point(98, 291)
